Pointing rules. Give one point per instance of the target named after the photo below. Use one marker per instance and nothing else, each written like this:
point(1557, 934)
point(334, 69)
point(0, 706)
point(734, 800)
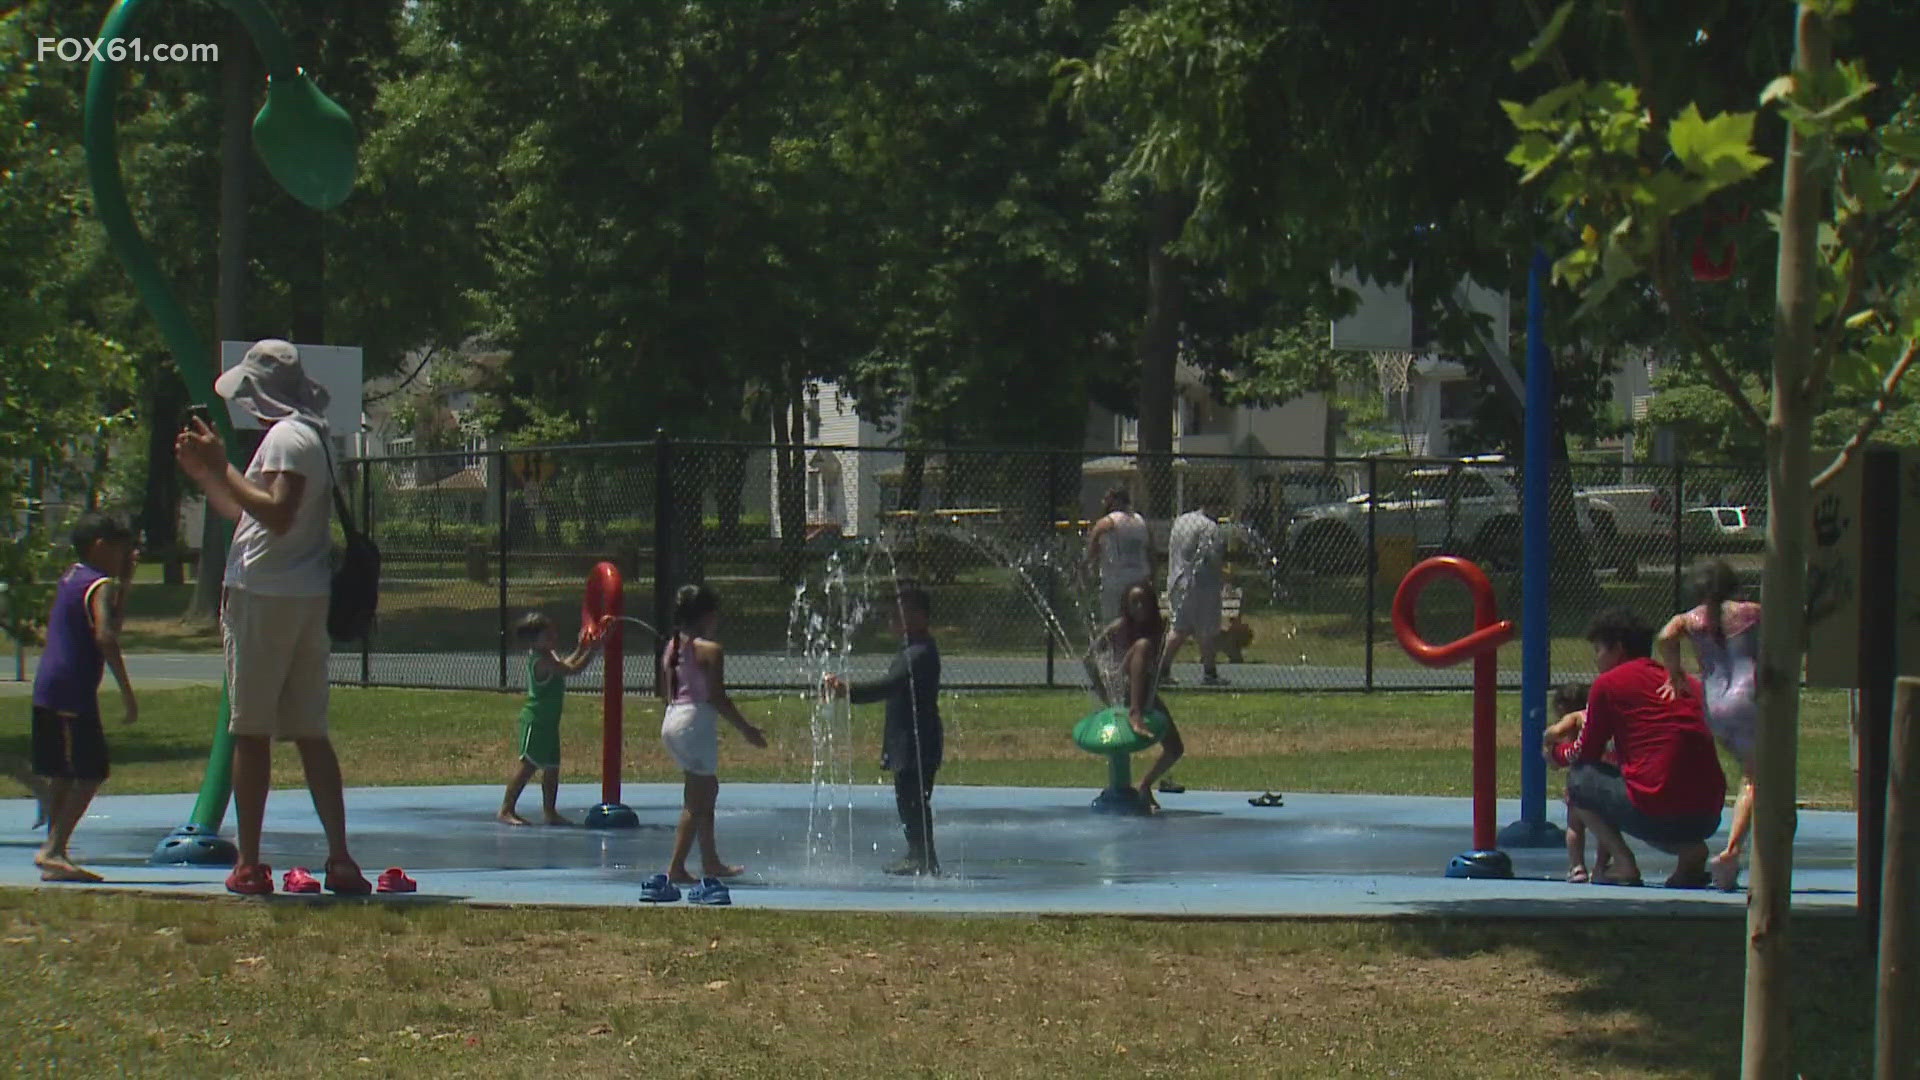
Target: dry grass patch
point(101, 983)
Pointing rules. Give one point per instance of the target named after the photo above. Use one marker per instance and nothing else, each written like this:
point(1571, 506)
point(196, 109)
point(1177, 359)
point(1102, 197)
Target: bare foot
point(1725, 870)
point(681, 877)
point(723, 871)
point(508, 817)
point(1147, 800)
point(556, 819)
point(57, 868)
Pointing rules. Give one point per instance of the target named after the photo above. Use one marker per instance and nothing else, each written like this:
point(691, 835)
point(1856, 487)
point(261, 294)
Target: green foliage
point(63, 383)
point(1642, 180)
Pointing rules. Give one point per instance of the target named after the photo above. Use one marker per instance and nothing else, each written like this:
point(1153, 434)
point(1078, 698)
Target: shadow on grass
point(1680, 978)
point(126, 746)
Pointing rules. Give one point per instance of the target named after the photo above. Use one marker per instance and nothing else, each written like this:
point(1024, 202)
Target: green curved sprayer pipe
point(307, 144)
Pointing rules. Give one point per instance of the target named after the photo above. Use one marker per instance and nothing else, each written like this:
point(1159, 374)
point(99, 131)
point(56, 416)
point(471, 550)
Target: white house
point(854, 470)
point(1439, 398)
point(442, 392)
point(844, 469)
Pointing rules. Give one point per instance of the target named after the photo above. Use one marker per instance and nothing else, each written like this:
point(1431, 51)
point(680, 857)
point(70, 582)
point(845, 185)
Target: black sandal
point(1266, 799)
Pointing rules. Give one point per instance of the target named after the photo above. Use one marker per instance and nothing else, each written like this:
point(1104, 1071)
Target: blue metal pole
point(1533, 829)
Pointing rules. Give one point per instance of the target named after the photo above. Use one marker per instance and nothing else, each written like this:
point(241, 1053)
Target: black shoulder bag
point(355, 596)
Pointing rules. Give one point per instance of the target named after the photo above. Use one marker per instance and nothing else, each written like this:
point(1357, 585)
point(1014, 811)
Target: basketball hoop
point(1394, 370)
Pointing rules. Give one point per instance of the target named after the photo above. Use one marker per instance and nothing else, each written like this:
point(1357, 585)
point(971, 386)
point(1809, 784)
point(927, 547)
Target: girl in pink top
point(694, 677)
point(1725, 632)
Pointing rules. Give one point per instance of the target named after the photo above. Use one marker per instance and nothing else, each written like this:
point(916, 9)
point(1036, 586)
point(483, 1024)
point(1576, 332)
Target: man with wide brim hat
point(273, 610)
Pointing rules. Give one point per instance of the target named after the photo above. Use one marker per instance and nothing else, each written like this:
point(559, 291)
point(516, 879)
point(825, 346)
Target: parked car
point(1639, 524)
point(1472, 508)
point(1722, 528)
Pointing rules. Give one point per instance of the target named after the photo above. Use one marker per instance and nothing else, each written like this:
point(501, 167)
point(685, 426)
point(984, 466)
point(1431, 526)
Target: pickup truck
point(1472, 510)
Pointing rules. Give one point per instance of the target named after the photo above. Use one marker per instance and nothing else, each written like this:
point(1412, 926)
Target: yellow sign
point(531, 466)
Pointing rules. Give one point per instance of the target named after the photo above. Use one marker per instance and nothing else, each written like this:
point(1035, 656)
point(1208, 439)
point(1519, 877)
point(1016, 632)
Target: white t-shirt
point(1123, 550)
point(299, 561)
point(1195, 553)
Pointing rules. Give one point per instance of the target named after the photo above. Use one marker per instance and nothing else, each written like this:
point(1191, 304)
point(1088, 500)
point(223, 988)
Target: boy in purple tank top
point(83, 637)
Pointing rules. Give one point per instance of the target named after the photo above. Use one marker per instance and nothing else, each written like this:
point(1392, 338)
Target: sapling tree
point(1663, 193)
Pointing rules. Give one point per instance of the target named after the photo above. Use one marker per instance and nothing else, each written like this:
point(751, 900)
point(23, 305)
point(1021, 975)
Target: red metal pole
point(1486, 703)
point(612, 692)
point(1482, 645)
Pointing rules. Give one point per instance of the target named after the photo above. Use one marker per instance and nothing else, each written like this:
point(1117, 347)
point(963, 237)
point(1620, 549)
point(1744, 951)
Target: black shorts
point(68, 746)
point(1600, 789)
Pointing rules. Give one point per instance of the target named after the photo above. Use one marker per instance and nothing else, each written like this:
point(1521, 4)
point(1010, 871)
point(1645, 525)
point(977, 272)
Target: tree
point(59, 374)
point(1634, 160)
point(1290, 165)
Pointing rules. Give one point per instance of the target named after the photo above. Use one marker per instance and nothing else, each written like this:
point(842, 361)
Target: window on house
point(1458, 399)
point(823, 488)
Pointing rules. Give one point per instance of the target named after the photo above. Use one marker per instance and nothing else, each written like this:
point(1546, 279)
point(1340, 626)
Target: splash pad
point(822, 843)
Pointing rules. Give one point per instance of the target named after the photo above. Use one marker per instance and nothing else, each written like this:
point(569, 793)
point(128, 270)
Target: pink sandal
point(395, 880)
point(299, 881)
point(251, 879)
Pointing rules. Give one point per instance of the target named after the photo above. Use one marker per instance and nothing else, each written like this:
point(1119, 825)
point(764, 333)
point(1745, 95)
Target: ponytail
point(690, 604)
point(1715, 584)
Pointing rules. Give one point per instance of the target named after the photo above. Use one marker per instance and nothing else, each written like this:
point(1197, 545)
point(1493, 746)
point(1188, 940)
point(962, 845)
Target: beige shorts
point(277, 649)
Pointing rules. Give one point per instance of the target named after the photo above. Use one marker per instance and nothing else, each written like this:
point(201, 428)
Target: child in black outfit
point(914, 739)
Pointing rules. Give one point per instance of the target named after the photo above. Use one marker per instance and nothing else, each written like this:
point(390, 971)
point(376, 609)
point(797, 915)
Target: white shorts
point(277, 649)
point(691, 734)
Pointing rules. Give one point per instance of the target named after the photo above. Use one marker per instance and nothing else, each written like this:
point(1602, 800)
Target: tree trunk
point(160, 501)
point(307, 278)
point(729, 491)
point(1158, 350)
point(236, 160)
point(1766, 1045)
point(97, 472)
point(791, 498)
point(692, 466)
point(913, 476)
point(1330, 433)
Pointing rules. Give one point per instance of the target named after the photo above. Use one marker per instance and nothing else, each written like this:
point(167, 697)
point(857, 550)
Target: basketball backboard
point(1382, 321)
point(1383, 318)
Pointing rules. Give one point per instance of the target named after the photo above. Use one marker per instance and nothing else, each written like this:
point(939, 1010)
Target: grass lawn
point(100, 984)
point(1319, 620)
point(1411, 744)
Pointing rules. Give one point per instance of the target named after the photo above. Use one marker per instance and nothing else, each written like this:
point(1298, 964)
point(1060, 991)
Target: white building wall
point(835, 423)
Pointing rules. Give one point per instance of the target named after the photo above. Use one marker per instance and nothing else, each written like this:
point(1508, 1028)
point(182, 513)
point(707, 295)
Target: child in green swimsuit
point(539, 742)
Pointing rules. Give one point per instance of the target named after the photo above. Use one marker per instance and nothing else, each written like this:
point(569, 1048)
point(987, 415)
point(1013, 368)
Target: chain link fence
point(805, 543)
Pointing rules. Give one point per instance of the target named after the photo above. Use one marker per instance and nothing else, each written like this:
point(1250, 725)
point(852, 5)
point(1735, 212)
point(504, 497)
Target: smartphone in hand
point(196, 412)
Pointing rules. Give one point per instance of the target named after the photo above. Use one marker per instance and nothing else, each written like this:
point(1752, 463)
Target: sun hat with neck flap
point(270, 384)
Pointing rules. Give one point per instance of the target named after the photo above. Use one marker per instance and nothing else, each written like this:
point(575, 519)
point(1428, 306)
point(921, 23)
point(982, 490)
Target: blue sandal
point(711, 892)
point(658, 890)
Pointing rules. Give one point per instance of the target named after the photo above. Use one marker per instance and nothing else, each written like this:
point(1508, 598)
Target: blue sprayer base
point(1480, 864)
point(1119, 800)
point(611, 816)
point(192, 845)
point(1522, 835)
